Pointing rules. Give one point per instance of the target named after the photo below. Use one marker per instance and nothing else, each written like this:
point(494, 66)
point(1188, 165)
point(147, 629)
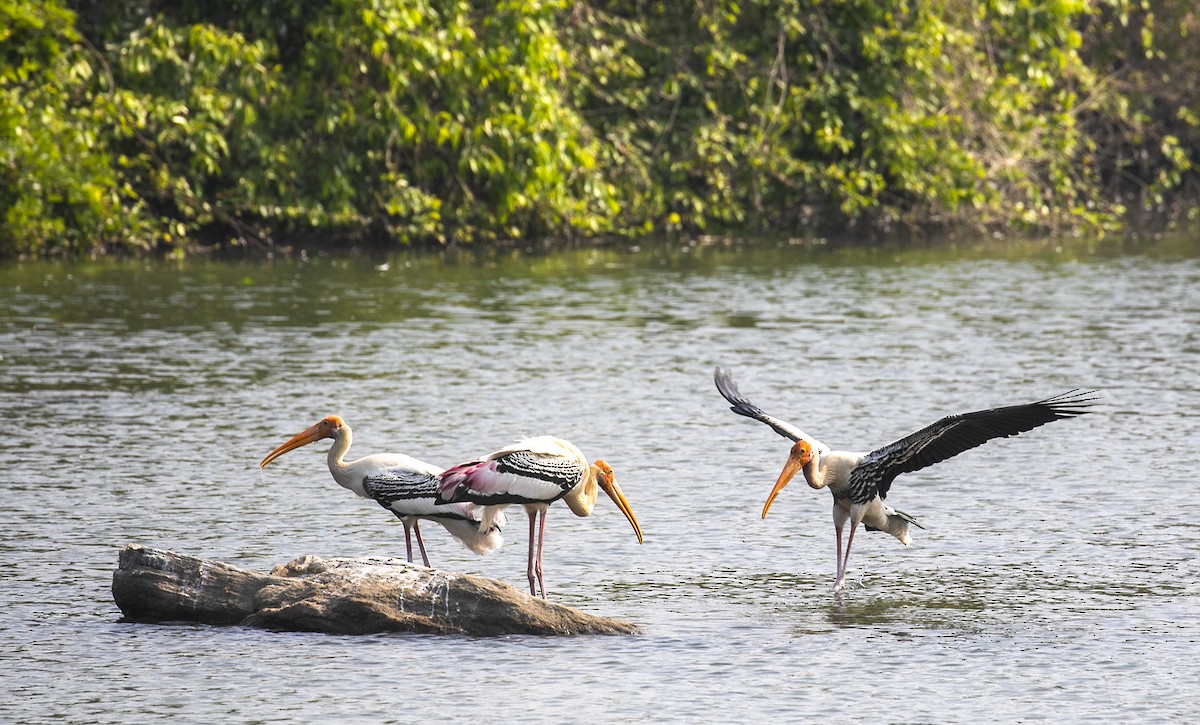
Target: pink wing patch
point(458, 481)
point(484, 483)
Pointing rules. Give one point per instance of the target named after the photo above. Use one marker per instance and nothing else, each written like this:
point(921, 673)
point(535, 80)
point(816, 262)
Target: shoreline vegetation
point(142, 126)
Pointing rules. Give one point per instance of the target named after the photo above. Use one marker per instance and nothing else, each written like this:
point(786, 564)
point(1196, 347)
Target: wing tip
point(723, 377)
point(729, 390)
point(1072, 403)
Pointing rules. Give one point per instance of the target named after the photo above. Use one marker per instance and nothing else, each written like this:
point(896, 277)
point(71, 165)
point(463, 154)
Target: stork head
point(326, 428)
point(800, 456)
point(607, 481)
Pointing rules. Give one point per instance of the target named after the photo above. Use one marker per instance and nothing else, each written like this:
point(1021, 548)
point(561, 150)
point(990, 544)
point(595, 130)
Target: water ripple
point(1057, 576)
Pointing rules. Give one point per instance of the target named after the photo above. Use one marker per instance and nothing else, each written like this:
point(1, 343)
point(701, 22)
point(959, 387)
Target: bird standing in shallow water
point(534, 472)
point(401, 484)
point(860, 482)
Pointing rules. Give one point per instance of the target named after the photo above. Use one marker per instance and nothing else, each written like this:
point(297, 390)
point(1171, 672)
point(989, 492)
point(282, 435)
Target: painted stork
point(860, 482)
point(534, 472)
point(401, 484)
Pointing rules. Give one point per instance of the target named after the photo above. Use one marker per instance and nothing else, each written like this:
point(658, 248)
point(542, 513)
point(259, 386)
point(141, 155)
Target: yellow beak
point(614, 492)
point(310, 435)
point(790, 469)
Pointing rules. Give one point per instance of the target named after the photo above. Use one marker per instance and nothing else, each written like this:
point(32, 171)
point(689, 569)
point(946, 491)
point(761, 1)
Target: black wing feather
point(741, 406)
point(957, 433)
point(387, 487)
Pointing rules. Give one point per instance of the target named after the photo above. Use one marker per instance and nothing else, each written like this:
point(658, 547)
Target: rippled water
point(1057, 578)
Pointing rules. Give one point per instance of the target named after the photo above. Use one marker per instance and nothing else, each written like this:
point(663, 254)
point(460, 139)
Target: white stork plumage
point(534, 472)
point(401, 484)
point(860, 482)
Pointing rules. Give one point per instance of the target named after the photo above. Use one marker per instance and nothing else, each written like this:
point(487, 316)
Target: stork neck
point(582, 499)
point(814, 475)
point(337, 452)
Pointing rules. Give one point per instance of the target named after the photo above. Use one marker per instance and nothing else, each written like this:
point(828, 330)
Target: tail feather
point(473, 537)
point(491, 517)
point(897, 525)
point(907, 518)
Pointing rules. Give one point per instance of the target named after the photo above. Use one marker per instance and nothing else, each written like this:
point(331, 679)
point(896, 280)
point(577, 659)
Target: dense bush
point(60, 189)
point(785, 113)
point(148, 124)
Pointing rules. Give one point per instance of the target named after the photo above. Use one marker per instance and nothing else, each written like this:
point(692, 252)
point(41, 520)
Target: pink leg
point(529, 570)
point(838, 576)
point(407, 538)
point(541, 540)
point(417, 531)
point(841, 583)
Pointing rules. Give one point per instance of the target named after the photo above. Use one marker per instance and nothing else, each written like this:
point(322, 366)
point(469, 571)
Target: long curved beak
point(310, 435)
point(790, 469)
point(614, 492)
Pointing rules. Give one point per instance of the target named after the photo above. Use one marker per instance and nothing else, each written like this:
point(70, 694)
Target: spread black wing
point(741, 406)
point(957, 433)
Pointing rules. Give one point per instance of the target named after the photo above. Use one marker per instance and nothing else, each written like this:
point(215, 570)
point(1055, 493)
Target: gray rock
point(337, 596)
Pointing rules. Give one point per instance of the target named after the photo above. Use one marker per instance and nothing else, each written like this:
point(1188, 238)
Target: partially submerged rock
point(338, 596)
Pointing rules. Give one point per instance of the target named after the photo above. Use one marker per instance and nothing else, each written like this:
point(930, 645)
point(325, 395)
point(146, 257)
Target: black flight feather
point(955, 434)
point(741, 406)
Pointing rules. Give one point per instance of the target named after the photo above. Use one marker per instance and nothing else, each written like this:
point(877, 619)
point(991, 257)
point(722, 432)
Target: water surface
point(1056, 579)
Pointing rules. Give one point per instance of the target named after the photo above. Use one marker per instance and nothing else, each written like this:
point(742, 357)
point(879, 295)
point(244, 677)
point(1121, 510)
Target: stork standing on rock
point(534, 472)
point(401, 484)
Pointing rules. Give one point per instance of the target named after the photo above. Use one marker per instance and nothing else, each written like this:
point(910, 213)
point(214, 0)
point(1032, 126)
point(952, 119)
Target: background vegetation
point(151, 124)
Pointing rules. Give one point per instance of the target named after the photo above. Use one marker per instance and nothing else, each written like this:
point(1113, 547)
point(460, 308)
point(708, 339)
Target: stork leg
point(529, 569)
point(407, 537)
point(421, 544)
point(841, 576)
point(541, 540)
point(838, 534)
point(840, 516)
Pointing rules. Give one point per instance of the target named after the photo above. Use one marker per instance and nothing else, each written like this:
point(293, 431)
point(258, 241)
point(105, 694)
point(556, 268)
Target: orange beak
point(609, 484)
point(799, 457)
point(310, 435)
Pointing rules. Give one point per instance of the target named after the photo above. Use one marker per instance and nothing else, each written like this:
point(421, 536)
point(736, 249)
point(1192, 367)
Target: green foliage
point(1144, 118)
point(782, 113)
point(454, 117)
point(142, 124)
point(58, 190)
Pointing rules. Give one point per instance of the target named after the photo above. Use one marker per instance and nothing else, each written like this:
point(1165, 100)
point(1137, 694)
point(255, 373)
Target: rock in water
point(338, 596)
